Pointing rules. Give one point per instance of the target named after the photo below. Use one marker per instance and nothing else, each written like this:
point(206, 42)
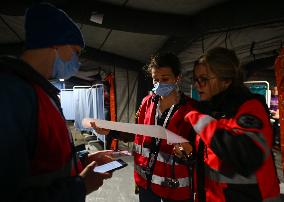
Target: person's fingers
point(107, 175)
point(101, 157)
point(106, 152)
point(177, 151)
point(100, 154)
point(101, 131)
point(98, 129)
point(89, 168)
point(183, 150)
point(92, 164)
point(93, 124)
point(103, 160)
point(186, 147)
point(117, 154)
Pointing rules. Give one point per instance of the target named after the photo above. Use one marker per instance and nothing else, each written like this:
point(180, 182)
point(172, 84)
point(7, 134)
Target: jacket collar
point(22, 69)
point(226, 103)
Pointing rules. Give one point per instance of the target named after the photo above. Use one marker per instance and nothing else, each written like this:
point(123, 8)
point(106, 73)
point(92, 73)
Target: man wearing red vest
point(37, 152)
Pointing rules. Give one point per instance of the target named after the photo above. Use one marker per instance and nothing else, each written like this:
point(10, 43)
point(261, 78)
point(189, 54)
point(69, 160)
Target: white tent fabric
point(240, 40)
point(126, 94)
point(127, 37)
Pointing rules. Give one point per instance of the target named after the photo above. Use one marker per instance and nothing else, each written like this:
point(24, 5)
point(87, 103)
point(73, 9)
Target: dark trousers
point(149, 196)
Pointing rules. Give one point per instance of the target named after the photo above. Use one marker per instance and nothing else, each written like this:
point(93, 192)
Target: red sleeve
point(244, 141)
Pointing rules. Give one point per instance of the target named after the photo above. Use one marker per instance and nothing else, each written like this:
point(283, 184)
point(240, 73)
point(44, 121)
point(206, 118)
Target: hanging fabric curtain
point(83, 104)
point(97, 93)
point(67, 103)
point(88, 103)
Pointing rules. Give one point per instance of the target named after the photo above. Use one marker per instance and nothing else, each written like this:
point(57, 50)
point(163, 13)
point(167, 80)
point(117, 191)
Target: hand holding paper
point(147, 130)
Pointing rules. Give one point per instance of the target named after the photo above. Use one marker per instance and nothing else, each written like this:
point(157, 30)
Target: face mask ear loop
point(54, 70)
point(178, 87)
point(57, 54)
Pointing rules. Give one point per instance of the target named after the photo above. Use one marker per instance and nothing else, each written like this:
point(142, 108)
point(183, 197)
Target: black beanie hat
point(45, 25)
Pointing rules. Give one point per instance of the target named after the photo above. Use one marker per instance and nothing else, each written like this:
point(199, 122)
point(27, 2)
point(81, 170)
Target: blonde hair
point(224, 63)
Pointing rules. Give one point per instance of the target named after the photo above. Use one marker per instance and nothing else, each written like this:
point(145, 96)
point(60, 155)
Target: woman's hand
point(183, 150)
point(101, 157)
point(101, 131)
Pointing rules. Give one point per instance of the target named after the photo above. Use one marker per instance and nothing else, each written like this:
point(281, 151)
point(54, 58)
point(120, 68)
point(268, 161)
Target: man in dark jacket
point(37, 153)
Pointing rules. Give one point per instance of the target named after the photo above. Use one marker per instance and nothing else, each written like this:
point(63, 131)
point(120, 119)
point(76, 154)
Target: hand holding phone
point(111, 166)
point(92, 180)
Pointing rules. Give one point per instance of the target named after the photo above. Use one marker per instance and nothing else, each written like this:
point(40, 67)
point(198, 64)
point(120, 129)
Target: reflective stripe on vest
point(258, 138)
point(202, 123)
point(237, 179)
point(162, 156)
point(183, 182)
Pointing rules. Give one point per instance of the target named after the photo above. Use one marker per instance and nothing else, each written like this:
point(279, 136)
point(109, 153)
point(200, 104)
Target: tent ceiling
point(180, 7)
point(14, 35)
point(135, 29)
point(128, 44)
point(143, 44)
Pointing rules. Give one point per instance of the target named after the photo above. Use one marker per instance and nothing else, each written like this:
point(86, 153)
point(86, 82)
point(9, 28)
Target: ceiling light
point(97, 17)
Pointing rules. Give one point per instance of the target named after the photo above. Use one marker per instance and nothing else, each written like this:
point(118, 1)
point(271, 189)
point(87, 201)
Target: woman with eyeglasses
point(233, 134)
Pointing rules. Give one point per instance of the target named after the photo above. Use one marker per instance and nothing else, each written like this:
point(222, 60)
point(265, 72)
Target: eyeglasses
point(202, 81)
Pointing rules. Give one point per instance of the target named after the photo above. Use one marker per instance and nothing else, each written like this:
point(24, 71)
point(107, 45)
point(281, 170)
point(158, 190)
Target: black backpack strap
point(200, 171)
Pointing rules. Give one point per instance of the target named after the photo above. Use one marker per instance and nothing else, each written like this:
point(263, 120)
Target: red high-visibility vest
point(265, 176)
point(53, 145)
point(53, 157)
point(163, 165)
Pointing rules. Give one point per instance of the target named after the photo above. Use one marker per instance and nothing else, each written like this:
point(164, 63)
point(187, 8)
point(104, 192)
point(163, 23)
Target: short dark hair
point(167, 59)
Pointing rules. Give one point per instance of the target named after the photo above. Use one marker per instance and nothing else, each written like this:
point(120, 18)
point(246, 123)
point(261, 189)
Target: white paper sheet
point(147, 130)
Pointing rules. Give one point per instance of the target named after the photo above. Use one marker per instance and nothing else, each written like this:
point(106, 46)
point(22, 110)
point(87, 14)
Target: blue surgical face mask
point(65, 69)
point(164, 89)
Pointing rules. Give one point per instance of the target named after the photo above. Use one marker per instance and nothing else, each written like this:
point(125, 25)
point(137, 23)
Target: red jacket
point(163, 165)
point(38, 158)
point(238, 163)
